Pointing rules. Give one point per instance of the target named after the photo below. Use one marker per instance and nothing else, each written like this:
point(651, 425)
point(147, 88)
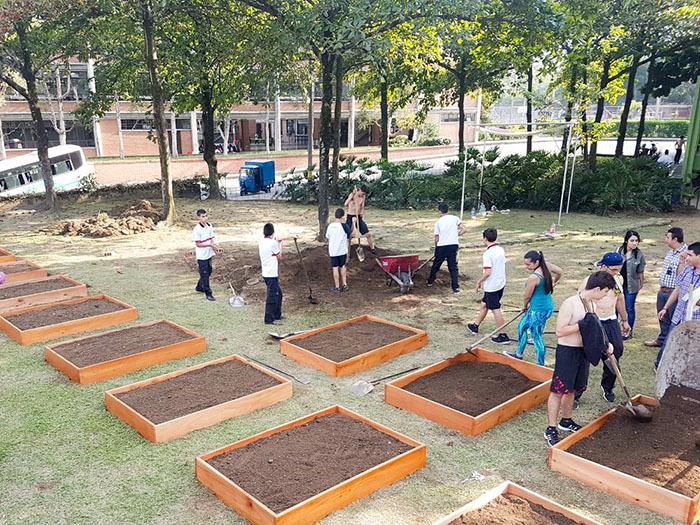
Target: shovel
point(362, 388)
point(639, 412)
point(478, 341)
point(303, 381)
point(312, 299)
point(236, 300)
point(284, 335)
point(359, 250)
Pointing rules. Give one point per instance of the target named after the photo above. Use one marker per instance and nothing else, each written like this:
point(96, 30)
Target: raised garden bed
point(40, 291)
point(655, 465)
point(169, 406)
point(21, 271)
point(118, 352)
point(354, 345)
point(6, 256)
point(299, 472)
point(471, 393)
point(511, 504)
point(51, 321)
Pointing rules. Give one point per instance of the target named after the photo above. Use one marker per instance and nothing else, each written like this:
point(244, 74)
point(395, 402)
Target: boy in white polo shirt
point(270, 250)
point(205, 249)
point(447, 230)
point(337, 234)
point(493, 279)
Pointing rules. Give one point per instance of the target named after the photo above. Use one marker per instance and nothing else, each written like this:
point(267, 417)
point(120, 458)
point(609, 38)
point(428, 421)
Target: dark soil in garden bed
point(662, 452)
point(508, 509)
point(16, 268)
point(472, 387)
point(63, 313)
point(196, 390)
point(122, 343)
point(32, 287)
point(289, 467)
point(350, 340)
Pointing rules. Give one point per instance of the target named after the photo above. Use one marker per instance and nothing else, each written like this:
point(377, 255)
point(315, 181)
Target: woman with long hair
point(538, 303)
point(632, 273)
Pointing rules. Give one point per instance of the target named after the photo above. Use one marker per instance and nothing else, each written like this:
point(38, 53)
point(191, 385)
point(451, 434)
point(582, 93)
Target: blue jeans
point(535, 320)
point(665, 323)
point(663, 346)
point(630, 300)
point(205, 269)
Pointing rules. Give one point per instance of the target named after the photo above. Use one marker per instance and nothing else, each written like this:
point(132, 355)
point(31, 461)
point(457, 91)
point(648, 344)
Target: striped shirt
point(668, 272)
point(689, 279)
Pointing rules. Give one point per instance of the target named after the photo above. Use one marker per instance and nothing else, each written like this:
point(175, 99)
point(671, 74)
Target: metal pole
point(571, 175)
point(566, 168)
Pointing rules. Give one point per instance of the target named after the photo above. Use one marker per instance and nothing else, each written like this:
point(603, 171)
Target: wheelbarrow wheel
point(405, 283)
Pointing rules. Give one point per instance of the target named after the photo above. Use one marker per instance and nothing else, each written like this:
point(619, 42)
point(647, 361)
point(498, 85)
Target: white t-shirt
point(447, 227)
point(269, 249)
point(203, 234)
point(495, 259)
point(337, 239)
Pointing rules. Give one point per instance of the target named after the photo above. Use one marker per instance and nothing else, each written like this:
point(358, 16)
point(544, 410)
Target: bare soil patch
point(472, 387)
point(196, 390)
point(62, 313)
point(662, 452)
point(16, 268)
point(138, 218)
point(508, 509)
point(296, 464)
point(32, 287)
point(129, 341)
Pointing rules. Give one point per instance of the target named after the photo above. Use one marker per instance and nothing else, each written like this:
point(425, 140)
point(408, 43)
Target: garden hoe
point(235, 300)
point(362, 388)
point(639, 412)
point(312, 299)
point(303, 381)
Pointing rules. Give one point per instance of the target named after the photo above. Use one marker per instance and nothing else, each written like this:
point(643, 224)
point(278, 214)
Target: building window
point(20, 134)
point(139, 124)
point(453, 116)
point(182, 124)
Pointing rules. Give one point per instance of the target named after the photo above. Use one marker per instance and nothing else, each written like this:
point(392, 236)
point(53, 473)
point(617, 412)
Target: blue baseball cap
point(611, 259)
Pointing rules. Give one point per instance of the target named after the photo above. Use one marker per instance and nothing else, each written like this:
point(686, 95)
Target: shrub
point(434, 141)
point(655, 128)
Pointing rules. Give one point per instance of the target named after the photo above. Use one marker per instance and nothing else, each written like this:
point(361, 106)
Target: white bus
point(22, 175)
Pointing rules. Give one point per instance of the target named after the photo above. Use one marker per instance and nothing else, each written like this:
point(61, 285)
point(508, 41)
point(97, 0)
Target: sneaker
point(210, 297)
point(430, 284)
point(608, 395)
point(551, 435)
point(344, 288)
point(569, 425)
point(277, 322)
point(577, 402)
point(653, 343)
point(513, 355)
point(501, 339)
point(456, 291)
point(198, 289)
point(473, 328)
point(336, 290)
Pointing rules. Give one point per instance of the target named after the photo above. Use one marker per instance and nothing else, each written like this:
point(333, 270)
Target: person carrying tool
point(205, 249)
point(493, 280)
point(355, 206)
point(448, 228)
point(337, 235)
point(270, 250)
point(570, 365)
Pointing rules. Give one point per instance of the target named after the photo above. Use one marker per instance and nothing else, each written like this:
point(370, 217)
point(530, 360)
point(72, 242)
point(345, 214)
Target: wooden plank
point(50, 296)
point(6, 256)
point(86, 324)
point(178, 427)
point(359, 362)
point(126, 364)
point(396, 395)
point(324, 503)
point(36, 272)
point(629, 488)
point(508, 487)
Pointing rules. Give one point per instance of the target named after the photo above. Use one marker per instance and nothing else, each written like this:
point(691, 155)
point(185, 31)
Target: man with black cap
point(609, 309)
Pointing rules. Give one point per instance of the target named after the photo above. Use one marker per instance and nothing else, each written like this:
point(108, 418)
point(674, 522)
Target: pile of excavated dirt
point(139, 218)
point(366, 280)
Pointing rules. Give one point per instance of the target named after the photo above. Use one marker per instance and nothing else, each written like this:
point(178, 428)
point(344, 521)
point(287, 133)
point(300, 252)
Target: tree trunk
point(208, 127)
point(326, 133)
point(600, 107)
point(337, 120)
point(158, 100)
point(3, 152)
point(528, 113)
point(61, 124)
point(310, 129)
point(584, 119)
point(624, 116)
point(384, 117)
point(643, 112)
point(569, 106)
point(460, 106)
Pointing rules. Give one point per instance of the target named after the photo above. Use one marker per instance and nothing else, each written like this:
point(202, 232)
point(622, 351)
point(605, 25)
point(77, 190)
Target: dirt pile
point(141, 217)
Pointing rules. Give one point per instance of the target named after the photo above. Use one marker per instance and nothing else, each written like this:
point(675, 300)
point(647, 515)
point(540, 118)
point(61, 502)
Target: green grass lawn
point(64, 459)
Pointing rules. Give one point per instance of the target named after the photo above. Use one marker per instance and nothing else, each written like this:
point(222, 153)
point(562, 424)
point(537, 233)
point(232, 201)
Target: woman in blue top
point(538, 303)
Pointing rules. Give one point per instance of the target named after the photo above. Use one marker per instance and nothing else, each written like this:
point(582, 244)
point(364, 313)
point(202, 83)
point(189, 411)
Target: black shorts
point(339, 261)
point(364, 230)
point(570, 370)
point(493, 299)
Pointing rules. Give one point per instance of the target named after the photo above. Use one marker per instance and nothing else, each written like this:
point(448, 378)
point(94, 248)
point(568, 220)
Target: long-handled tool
point(359, 250)
point(423, 264)
point(303, 381)
point(235, 300)
point(639, 412)
point(284, 335)
point(481, 340)
point(312, 299)
point(362, 388)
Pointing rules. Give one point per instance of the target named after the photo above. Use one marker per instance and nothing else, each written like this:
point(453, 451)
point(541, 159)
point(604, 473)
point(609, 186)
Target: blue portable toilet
point(257, 176)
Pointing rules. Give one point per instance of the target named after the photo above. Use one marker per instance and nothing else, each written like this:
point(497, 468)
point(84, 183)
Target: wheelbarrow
point(401, 269)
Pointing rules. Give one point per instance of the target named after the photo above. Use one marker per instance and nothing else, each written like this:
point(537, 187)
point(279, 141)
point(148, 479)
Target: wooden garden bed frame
point(359, 362)
point(508, 487)
point(49, 296)
point(395, 395)
point(178, 427)
point(624, 486)
point(129, 363)
point(37, 272)
point(316, 507)
point(54, 331)
point(6, 256)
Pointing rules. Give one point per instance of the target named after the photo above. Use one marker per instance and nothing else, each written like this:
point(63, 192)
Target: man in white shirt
point(270, 250)
point(448, 228)
point(666, 159)
point(337, 235)
point(205, 249)
point(493, 279)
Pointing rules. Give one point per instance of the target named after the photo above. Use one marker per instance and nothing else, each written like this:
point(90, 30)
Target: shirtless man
point(609, 309)
point(355, 208)
point(570, 365)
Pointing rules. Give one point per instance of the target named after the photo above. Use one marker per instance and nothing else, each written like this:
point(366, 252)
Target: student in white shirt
point(270, 250)
point(493, 279)
point(447, 230)
point(205, 249)
point(337, 234)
